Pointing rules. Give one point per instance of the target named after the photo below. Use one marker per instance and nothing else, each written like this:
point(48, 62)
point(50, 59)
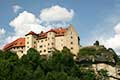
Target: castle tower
point(51, 40)
point(72, 40)
point(30, 41)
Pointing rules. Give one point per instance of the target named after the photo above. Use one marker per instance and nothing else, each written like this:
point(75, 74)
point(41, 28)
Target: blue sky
point(93, 19)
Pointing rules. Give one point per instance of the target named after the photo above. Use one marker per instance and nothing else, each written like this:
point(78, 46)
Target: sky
point(92, 19)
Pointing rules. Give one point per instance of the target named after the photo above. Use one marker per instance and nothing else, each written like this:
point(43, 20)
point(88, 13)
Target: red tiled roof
point(17, 43)
point(58, 31)
point(31, 33)
point(21, 41)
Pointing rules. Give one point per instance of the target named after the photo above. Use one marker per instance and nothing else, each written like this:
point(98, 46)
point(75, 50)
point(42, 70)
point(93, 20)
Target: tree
point(88, 75)
point(103, 75)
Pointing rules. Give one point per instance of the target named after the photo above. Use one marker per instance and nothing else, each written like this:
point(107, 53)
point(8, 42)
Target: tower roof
point(31, 33)
point(17, 43)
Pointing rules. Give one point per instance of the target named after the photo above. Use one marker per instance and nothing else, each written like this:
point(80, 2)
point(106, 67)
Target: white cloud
point(26, 22)
point(114, 41)
point(2, 31)
point(56, 13)
point(16, 8)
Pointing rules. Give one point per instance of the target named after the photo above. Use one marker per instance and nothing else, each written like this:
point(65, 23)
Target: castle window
point(27, 42)
point(71, 47)
point(48, 44)
point(71, 37)
point(40, 46)
point(41, 40)
point(52, 43)
point(49, 51)
point(34, 42)
point(21, 47)
point(44, 50)
point(52, 37)
point(71, 42)
point(40, 51)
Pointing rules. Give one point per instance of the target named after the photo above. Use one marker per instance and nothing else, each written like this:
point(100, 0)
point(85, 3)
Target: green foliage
point(97, 54)
point(88, 75)
point(87, 51)
point(59, 66)
point(103, 75)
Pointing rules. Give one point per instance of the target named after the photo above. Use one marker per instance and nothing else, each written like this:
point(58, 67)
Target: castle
point(45, 42)
point(57, 38)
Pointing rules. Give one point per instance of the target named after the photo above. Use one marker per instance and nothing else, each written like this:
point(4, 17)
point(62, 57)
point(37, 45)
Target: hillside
point(59, 66)
point(97, 54)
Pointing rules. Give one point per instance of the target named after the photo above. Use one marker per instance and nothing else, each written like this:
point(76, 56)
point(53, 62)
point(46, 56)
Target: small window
point(48, 44)
point(71, 37)
point(34, 42)
point(40, 51)
point(44, 45)
point(44, 50)
point(21, 47)
point(71, 42)
point(41, 40)
point(71, 47)
point(27, 42)
point(40, 46)
point(27, 37)
point(52, 37)
point(52, 43)
point(49, 51)
point(27, 46)
point(45, 39)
